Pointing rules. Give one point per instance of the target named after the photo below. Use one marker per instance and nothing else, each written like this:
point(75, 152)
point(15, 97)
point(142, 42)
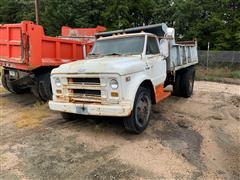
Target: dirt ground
point(194, 138)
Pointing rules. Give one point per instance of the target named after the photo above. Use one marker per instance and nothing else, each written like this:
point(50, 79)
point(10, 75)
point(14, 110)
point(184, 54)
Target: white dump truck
point(125, 73)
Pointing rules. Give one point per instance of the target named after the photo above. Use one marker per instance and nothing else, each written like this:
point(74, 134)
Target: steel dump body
point(28, 55)
point(182, 55)
point(24, 46)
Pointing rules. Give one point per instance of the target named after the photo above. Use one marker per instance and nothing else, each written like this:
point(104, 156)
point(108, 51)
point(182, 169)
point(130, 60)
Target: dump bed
point(182, 54)
point(25, 46)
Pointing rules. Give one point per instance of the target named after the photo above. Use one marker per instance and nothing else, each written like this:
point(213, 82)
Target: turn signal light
point(114, 94)
point(58, 91)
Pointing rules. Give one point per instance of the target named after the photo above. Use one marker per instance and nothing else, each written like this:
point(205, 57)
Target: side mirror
point(164, 47)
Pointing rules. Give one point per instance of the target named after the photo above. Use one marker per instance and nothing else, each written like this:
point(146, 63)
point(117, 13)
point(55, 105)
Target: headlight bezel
point(114, 84)
point(58, 82)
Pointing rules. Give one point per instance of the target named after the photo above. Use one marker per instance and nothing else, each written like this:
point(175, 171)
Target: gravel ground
point(194, 138)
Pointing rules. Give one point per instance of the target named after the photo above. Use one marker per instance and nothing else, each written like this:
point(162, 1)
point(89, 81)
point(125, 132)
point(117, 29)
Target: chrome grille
point(85, 90)
point(84, 80)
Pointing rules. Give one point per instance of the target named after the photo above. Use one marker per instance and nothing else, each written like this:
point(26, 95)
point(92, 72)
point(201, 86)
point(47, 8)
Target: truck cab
point(124, 74)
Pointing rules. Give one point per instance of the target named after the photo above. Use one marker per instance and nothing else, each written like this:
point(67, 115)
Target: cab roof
point(157, 29)
point(115, 36)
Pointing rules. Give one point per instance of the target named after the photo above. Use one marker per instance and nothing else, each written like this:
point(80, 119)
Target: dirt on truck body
point(189, 138)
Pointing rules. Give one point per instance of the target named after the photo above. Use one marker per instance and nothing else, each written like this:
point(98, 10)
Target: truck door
point(156, 65)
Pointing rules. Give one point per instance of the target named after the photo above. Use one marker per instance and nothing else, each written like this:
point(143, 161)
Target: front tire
point(139, 119)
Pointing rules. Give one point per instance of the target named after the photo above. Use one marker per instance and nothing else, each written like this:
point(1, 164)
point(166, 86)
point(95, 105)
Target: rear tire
point(4, 82)
point(188, 82)
point(35, 90)
point(139, 119)
point(184, 82)
point(10, 86)
point(177, 84)
point(69, 116)
point(42, 88)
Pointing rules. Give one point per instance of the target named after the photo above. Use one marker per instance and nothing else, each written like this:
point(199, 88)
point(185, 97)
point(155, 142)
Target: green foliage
point(235, 74)
point(214, 21)
point(217, 73)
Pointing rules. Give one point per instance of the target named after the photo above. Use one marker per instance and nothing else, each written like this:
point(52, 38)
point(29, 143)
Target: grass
point(235, 74)
point(217, 73)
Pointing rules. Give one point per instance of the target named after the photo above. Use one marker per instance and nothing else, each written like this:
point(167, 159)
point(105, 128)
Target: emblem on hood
point(81, 70)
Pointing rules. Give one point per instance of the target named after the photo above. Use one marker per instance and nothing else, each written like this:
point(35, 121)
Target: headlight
point(114, 84)
point(58, 82)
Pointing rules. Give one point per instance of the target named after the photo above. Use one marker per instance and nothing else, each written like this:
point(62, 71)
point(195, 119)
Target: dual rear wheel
point(184, 82)
point(12, 86)
point(40, 85)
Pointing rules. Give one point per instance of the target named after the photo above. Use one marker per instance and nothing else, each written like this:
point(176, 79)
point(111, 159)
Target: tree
point(211, 21)
point(214, 21)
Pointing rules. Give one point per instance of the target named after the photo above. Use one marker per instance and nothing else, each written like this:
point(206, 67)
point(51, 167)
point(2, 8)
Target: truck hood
point(109, 64)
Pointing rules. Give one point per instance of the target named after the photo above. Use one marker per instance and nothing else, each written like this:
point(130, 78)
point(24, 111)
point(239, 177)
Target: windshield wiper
point(93, 54)
point(114, 53)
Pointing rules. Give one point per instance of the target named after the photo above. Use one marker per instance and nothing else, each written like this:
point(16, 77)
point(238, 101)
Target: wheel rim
point(142, 110)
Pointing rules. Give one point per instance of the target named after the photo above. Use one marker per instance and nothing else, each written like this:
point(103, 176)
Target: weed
point(235, 74)
point(216, 74)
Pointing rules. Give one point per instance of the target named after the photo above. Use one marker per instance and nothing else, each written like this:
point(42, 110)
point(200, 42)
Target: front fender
point(131, 87)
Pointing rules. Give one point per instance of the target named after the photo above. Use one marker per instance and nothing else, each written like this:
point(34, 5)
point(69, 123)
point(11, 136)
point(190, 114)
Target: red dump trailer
point(28, 55)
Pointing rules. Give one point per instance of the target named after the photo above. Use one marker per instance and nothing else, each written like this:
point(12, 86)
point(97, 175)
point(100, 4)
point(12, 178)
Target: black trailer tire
point(138, 120)
point(69, 116)
point(44, 87)
point(184, 82)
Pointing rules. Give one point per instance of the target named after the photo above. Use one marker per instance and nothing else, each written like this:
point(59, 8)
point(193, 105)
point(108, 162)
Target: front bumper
point(121, 110)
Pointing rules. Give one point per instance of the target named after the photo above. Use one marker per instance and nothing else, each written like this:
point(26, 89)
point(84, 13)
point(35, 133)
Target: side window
point(152, 46)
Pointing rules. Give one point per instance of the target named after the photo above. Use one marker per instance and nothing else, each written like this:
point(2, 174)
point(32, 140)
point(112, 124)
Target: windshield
point(119, 46)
